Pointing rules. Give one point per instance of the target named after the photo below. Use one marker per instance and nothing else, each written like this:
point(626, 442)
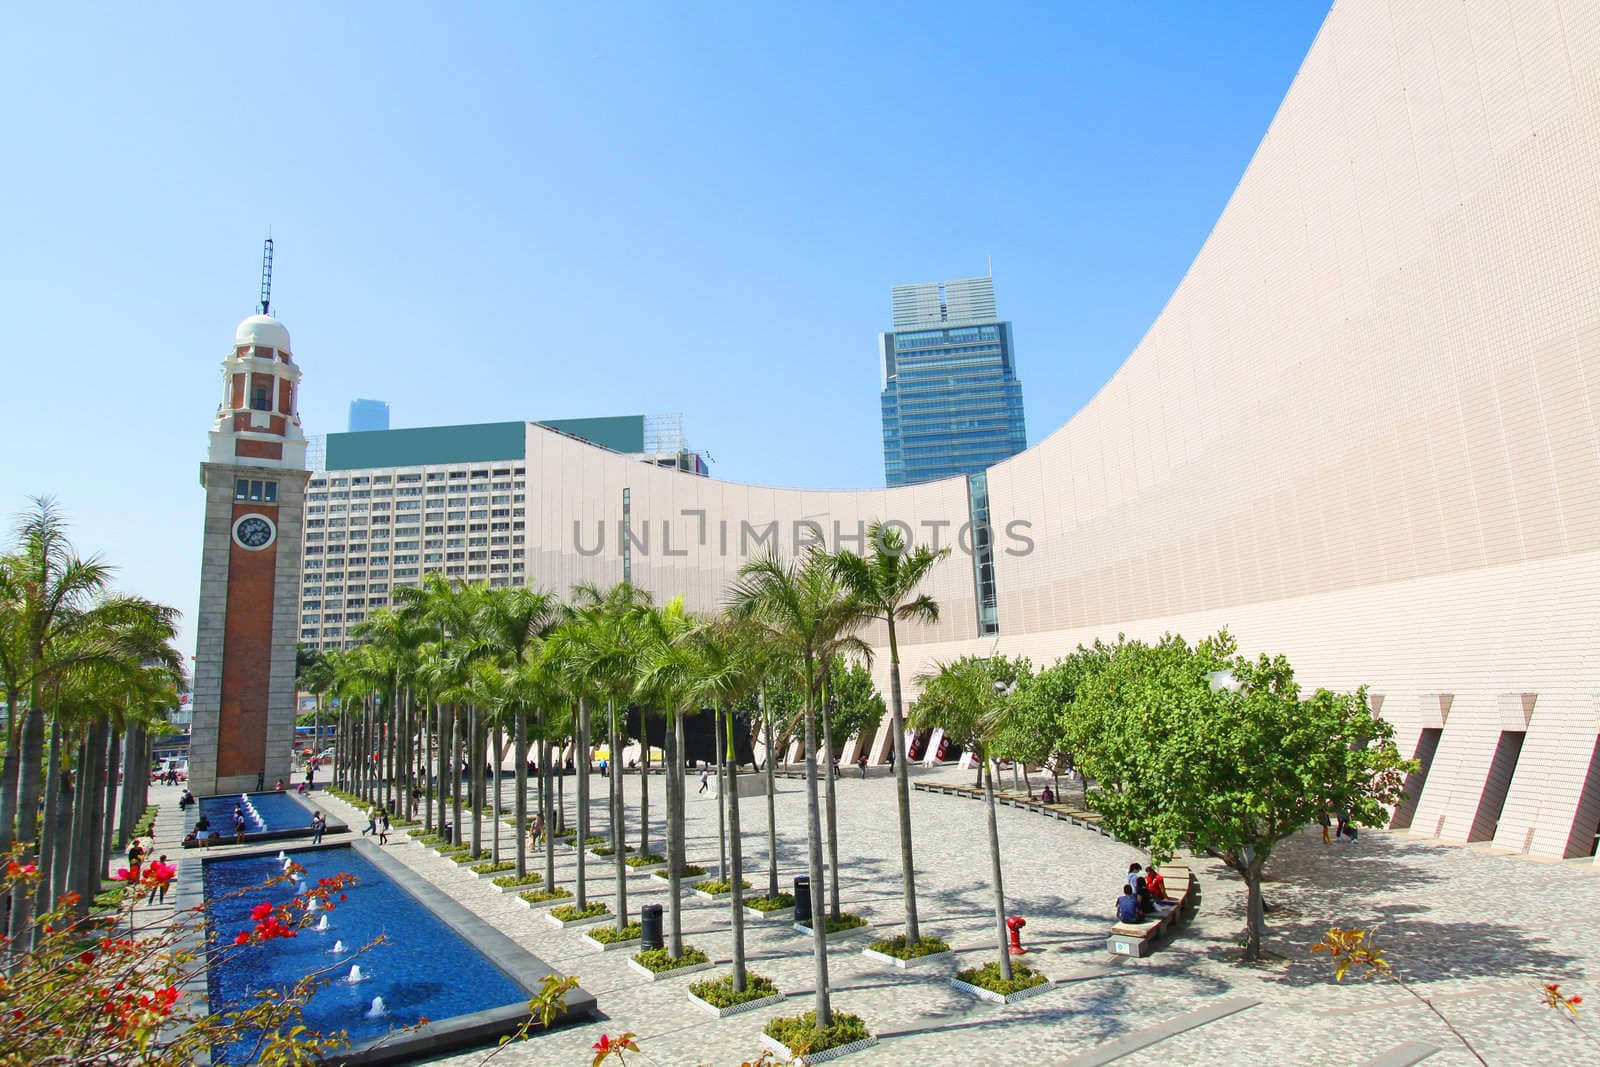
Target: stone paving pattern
point(1474, 931)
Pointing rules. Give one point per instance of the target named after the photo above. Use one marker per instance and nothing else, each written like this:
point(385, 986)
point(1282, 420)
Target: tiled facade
point(1363, 432)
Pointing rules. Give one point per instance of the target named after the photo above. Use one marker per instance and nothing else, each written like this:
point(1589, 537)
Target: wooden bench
point(1141, 938)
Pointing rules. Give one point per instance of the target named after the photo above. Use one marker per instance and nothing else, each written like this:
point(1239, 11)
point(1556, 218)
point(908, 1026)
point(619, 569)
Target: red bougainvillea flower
point(604, 1044)
point(260, 912)
point(125, 875)
point(15, 869)
point(157, 873)
point(243, 938)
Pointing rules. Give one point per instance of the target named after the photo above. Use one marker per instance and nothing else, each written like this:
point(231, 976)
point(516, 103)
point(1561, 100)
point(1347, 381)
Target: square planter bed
point(704, 894)
point(590, 920)
point(838, 935)
point(523, 888)
point(778, 915)
point(998, 998)
point(930, 960)
point(526, 903)
point(609, 946)
point(733, 1010)
point(662, 976)
point(642, 868)
point(778, 1048)
point(689, 871)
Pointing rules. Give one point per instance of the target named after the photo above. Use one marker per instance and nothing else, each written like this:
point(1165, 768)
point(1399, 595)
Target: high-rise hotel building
point(952, 403)
point(386, 507)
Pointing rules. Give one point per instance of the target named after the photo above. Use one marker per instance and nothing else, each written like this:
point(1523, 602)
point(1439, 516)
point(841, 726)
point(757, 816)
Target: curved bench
point(1140, 939)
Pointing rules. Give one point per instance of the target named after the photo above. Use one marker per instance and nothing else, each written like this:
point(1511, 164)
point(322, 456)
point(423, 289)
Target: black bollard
point(650, 927)
point(802, 900)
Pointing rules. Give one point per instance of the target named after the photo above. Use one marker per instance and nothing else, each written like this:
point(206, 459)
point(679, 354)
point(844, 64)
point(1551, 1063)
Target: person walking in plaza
point(383, 826)
point(319, 824)
point(372, 821)
point(705, 776)
point(238, 827)
point(861, 761)
point(158, 892)
point(1322, 821)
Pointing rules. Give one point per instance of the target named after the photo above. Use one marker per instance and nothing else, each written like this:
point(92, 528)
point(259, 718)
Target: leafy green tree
point(1036, 730)
point(1201, 746)
point(884, 583)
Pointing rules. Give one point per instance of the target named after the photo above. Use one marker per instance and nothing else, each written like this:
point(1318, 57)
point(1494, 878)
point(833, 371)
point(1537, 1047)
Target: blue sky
point(561, 211)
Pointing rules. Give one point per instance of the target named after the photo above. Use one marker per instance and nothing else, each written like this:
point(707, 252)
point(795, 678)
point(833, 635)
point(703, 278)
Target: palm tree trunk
point(50, 859)
point(722, 800)
point(583, 798)
point(455, 770)
point(9, 772)
point(680, 808)
point(82, 872)
point(498, 804)
point(644, 782)
point(619, 836)
point(135, 771)
point(428, 741)
point(833, 818)
point(479, 787)
point(819, 925)
point(521, 799)
point(902, 789)
point(28, 786)
point(441, 783)
point(994, 870)
point(674, 831)
point(547, 806)
point(772, 804)
point(736, 850)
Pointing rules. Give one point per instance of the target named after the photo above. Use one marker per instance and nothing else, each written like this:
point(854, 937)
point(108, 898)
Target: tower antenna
point(266, 276)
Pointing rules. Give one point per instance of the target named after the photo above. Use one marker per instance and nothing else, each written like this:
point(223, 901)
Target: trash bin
point(650, 927)
point(802, 900)
point(448, 832)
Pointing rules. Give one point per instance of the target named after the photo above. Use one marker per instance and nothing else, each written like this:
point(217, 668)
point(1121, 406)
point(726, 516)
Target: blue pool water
point(425, 969)
point(273, 811)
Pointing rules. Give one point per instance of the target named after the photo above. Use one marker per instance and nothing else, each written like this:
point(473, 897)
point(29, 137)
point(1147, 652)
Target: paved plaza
point(1472, 931)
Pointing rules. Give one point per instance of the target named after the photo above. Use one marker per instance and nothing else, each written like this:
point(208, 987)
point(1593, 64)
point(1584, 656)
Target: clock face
point(254, 532)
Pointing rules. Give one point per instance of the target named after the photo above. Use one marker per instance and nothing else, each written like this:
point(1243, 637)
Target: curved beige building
point(1363, 432)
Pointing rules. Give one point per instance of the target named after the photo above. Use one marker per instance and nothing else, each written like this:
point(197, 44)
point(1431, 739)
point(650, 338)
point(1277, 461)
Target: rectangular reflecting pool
point(264, 813)
point(435, 960)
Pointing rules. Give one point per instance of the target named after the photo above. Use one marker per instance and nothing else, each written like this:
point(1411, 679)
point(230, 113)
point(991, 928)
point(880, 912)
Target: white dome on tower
point(263, 330)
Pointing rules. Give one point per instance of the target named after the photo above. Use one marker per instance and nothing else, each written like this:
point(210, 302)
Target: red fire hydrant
point(1015, 925)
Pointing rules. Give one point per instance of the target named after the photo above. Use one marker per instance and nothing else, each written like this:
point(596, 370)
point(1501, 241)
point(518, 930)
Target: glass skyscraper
point(368, 415)
point(952, 403)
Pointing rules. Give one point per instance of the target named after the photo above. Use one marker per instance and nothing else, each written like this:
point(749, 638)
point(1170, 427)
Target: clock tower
point(254, 477)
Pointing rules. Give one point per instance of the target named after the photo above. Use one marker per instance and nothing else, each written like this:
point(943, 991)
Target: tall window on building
point(627, 530)
point(982, 554)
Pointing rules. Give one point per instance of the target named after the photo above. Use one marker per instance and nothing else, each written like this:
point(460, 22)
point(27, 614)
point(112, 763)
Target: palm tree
point(800, 608)
point(446, 611)
point(969, 698)
point(670, 674)
point(514, 623)
point(731, 665)
point(885, 583)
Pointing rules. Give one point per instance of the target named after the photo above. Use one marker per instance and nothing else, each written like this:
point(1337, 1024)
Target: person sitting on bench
point(1047, 797)
point(1157, 884)
point(1127, 906)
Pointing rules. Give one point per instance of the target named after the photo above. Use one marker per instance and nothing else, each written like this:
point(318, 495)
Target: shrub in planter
point(649, 859)
point(896, 946)
point(610, 935)
point(539, 896)
point(568, 912)
point(845, 921)
point(777, 903)
point(800, 1033)
point(718, 992)
point(657, 960)
point(688, 870)
point(607, 850)
point(506, 881)
point(467, 856)
point(494, 868)
point(988, 977)
point(712, 886)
